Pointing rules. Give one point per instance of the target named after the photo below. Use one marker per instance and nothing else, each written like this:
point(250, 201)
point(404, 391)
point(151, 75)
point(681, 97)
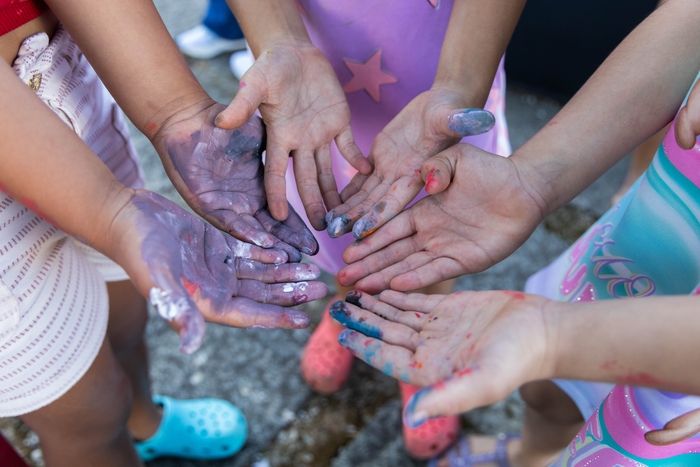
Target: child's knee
point(549, 401)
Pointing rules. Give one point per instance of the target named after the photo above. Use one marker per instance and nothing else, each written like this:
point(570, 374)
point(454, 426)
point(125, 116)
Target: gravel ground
point(258, 369)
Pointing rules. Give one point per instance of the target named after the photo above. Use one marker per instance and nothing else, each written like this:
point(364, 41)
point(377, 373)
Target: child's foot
point(325, 365)
point(433, 436)
point(196, 429)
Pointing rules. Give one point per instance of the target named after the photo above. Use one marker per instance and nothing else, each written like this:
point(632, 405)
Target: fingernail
point(354, 297)
point(329, 216)
point(363, 228)
point(338, 226)
point(414, 418)
point(299, 320)
point(306, 272)
point(339, 312)
point(283, 257)
point(309, 245)
point(344, 337)
point(469, 122)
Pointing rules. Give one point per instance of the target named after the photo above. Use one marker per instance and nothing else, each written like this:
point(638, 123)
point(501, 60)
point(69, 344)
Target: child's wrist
point(178, 109)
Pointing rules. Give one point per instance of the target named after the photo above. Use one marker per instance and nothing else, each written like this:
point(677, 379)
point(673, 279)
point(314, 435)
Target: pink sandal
point(432, 437)
point(325, 365)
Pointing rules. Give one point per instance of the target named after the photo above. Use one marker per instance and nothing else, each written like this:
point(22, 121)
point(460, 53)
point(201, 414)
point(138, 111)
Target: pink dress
point(384, 53)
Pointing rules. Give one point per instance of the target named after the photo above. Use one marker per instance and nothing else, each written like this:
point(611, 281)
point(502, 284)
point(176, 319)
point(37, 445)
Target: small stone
point(196, 378)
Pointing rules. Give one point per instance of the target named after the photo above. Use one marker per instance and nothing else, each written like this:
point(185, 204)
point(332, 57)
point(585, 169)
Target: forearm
point(633, 95)
point(265, 22)
point(132, 52)
point(643, 341)
point(45, 166)
point(476, 39)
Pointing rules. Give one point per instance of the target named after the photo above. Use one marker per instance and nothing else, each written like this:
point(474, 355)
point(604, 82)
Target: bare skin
point(281, 44)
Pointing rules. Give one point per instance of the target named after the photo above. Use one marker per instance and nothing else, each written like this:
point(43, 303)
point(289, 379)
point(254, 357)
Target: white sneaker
point(240, 62)
point(203, 43)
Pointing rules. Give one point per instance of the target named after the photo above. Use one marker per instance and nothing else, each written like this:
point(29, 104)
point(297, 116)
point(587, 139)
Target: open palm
point(482, 216)
point(485, 344)
point(220, 175)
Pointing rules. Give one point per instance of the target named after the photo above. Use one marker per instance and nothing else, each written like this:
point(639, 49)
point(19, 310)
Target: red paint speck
point(151, 127)
point(552, 123)
point(191, 287)
point(469, 336)
point(466, 371)
point(609, 365)
point(418, 315)
point(242, 85)
point(515, 295)
point(393, 188)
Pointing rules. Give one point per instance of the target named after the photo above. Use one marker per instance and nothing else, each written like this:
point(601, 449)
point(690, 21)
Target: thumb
point(461, 392)
point(251, 92)
point(688, 120)
point(470, 122)
point(175, 305)
point(439, 170)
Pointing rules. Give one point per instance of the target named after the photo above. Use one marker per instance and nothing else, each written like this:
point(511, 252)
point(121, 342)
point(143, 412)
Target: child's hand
point(430, 123)
point(304, 108)
point(485, 212)
point(474, 348)
point(220, 175)
point(193, 272)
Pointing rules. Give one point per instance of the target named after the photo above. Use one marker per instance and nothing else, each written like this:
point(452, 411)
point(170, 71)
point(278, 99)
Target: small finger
point(406, 317)
point(241, 312)
point(326, 179)
point(431, 273)
point(276, 273)
point(419, 302)
point(345, 141)
point(395, 199)
point(393, 360)
point(175, 305)
point(276, 162)
point(353, 186)
point(465, 390)
point(239, 249)
point(372, 325)
point(233, 224)
point(291, 231)
point(400, 228)
point(306, 176)
point(344, 223)
point(470, 122)
point(376, 262)
point(289, 294)
point(336, 220)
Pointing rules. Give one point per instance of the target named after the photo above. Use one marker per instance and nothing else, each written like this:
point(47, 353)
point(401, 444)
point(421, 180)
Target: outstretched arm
point(188, 269)
point(131, 50)
point(474, 44)
point(635, 93)
point(474, 348)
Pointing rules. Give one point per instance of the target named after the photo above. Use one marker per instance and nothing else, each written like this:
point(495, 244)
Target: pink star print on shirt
point(368, 76)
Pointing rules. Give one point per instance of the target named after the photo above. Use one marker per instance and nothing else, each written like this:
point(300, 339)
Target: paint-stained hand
point(220, 175)
point(304, 108)
point(483, 209)
point(430, 123)
point(193, 272)
point(470, 348)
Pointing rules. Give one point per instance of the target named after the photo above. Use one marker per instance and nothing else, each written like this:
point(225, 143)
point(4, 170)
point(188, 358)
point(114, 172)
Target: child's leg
point(552, 420)
point(86, 427)
point(128, 315)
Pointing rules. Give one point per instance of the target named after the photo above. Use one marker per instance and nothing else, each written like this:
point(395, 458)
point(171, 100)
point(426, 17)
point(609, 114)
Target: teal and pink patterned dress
point(648, 244)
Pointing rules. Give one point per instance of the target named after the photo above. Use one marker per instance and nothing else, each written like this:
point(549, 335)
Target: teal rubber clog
point(196, 429)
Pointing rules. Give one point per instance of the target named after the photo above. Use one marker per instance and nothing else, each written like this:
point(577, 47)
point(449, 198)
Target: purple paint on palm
point(223, 172)
point(200, 273)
